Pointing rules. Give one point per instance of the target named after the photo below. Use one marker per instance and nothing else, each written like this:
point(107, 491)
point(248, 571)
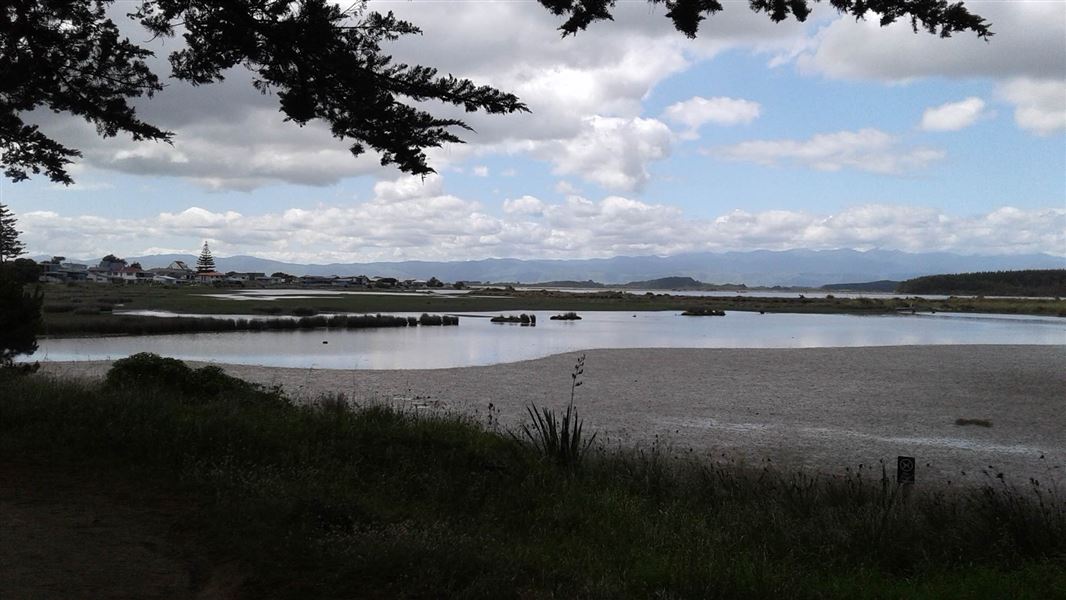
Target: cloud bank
point(413, 219)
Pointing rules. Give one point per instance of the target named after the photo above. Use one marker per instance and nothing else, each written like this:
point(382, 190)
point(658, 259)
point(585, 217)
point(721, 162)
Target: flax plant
point(558, 440)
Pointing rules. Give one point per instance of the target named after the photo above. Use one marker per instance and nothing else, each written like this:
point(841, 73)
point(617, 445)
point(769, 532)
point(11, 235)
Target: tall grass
point(332, 499)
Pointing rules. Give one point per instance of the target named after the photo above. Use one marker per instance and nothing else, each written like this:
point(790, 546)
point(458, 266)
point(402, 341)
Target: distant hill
point(666, 283)
point(565, 284)
point(883, 285)
point(808, 268)
point(1030, 282)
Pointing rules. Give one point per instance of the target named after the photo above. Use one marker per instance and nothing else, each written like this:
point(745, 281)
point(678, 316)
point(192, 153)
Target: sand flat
point(825, 409)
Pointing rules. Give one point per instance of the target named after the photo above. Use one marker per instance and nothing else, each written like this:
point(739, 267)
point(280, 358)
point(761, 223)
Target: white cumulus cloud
point(611, 151)
point(404, 221)
point(698, 111)
point(1040, 105)
point(953, 116)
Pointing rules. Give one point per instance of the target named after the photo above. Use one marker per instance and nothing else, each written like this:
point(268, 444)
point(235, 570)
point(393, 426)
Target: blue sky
point(822, 135)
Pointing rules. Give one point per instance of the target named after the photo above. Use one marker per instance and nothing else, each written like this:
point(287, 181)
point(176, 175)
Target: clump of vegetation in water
point(567, 316)
point(702, 311)
point(522, 319)
point(437, 319)
point(138, 325)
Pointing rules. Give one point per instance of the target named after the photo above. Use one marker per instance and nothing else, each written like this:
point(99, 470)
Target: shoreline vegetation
point(340, 498)
point(522, 319)
point(143, 325)
point(91, 309)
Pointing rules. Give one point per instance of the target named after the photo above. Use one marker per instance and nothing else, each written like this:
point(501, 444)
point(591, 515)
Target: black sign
point(904, 469)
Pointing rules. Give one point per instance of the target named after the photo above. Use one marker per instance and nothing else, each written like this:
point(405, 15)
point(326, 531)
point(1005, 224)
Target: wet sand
point(823, 409)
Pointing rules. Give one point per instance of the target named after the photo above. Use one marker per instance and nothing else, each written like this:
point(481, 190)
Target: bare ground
point(824, 409)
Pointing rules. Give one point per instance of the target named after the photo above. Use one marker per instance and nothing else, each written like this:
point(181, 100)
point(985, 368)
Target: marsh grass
point(339, 499)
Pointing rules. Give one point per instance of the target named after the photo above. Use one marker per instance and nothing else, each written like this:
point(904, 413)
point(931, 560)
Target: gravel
point(820, 409)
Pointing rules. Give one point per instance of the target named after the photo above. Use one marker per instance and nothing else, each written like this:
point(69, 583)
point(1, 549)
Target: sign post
point(905, 470)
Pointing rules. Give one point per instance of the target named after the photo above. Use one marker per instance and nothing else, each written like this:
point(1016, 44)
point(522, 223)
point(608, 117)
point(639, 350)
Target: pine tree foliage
point(320, 60)
point(206, 263)
point(20, 318)
point(10, 246)
point(20, 309)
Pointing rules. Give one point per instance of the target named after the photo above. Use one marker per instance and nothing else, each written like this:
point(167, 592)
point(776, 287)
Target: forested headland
point(1031, 282)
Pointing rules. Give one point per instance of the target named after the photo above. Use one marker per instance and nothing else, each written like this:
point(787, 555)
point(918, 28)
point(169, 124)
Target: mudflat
point(820, 409)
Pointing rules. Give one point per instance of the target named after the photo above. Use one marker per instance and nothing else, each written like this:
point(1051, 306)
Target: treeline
point(136, 325)
point(1032, 282)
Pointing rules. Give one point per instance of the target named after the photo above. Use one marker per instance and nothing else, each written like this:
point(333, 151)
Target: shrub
point(149, 370)
point(430, 320)
point(304, 311)
point(558, 440)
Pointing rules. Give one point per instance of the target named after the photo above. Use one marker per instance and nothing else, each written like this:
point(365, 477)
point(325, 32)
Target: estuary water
point(477, 341)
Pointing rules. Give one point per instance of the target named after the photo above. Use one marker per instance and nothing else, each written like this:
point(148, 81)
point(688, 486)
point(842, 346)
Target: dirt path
point(86, 535)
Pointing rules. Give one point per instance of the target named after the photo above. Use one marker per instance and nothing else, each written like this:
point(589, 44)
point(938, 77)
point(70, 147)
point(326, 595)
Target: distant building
point(210, 276)
point(177, 270)
point(62, 272)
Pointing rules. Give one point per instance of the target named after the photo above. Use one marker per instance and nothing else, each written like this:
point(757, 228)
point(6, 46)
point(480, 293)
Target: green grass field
point(325, 501)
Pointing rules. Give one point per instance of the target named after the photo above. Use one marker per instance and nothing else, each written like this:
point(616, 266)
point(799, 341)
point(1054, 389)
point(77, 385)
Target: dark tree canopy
point(935, 16)
point(322, 62)
point(206, 263)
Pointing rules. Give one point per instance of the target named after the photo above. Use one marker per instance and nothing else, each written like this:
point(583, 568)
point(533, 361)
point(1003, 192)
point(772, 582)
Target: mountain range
point(755, 268)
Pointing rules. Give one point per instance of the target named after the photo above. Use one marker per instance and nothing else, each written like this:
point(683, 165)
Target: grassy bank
point(324, 501)
point(87, 309)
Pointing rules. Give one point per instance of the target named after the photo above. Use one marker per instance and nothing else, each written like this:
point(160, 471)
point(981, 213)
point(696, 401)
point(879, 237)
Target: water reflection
point(476, 341)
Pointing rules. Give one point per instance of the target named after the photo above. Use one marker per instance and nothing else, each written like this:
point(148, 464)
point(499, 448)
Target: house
point(316, 280)
point(209, 276)
point(97, 275)
point(132, 275)
point(177, 270)
point(62, 272)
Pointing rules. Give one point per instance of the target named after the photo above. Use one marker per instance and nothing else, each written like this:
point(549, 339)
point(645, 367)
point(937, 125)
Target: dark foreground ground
point(194, 485)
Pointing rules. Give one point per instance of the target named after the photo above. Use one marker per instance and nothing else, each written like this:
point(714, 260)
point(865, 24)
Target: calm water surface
point(476, 341)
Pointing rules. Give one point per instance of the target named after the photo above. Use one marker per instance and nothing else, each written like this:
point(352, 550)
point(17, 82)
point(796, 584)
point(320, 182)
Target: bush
point(304, 311)
point(149, 370)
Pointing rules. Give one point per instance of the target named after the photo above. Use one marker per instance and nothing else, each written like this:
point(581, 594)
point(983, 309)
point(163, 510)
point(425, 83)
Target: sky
point(834, 133)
